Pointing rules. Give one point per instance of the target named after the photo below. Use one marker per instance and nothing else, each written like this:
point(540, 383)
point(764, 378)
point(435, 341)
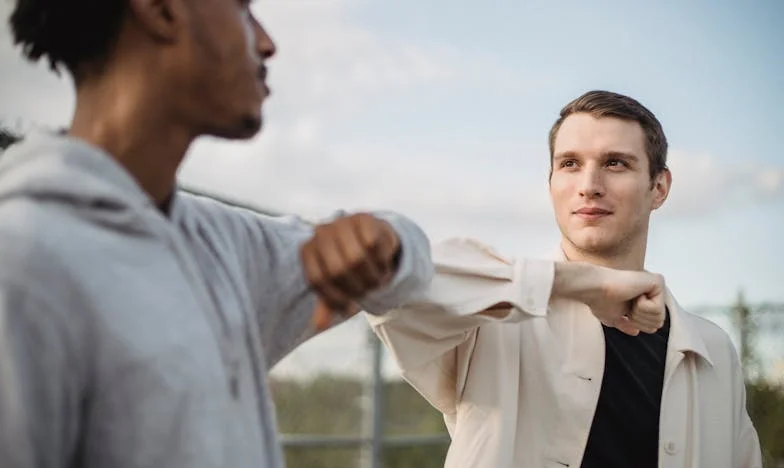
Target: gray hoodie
point(129, 339)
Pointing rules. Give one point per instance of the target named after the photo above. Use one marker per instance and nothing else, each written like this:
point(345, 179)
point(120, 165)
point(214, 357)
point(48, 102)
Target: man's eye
point(616, 163)
point(568, 163)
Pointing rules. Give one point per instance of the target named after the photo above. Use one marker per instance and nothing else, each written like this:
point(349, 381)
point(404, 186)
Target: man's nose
point(591, 183)
point(265, 46)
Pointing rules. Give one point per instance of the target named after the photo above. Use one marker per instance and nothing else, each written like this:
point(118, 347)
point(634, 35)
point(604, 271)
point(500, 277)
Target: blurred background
point(441, 110)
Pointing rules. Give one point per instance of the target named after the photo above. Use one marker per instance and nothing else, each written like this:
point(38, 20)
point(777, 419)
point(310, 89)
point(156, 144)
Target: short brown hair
point(608, 104)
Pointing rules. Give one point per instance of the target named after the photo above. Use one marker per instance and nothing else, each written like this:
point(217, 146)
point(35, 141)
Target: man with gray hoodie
point(137, 323)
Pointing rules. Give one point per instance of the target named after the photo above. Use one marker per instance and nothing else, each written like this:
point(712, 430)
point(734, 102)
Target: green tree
point(407, 413)
point(765, 399)
point(766, 409)
point(332, 405)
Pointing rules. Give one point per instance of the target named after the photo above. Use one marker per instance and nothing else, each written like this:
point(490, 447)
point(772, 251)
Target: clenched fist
point(345, 260)
point(631, 301)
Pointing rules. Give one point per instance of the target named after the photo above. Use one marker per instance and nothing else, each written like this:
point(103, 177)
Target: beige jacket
point(520, 389)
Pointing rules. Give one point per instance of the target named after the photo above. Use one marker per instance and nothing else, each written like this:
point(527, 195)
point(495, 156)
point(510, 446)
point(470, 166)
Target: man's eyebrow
point(565, 155)
point(621, 155)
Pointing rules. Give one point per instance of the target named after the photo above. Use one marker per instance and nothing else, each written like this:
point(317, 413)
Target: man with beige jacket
point(533, 364)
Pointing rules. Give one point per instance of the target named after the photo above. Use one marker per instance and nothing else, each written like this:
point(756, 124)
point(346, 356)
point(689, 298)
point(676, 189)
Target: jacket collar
point(684, 335)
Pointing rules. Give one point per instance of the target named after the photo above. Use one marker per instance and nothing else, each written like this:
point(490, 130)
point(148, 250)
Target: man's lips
point(263, 79)
point(592, 213)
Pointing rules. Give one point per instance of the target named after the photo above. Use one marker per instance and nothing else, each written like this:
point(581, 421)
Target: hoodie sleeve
point(272, 271)
point(40, 384)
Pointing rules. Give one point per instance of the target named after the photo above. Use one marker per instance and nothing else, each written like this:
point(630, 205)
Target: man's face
point(221, 71)
point(600, 185)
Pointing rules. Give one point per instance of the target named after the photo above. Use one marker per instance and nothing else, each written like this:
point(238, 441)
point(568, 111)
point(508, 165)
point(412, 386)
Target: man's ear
point(161, 19)
point(661, 188)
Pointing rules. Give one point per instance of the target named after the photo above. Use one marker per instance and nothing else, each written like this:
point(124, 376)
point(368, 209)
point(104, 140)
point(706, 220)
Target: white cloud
point(328, 63)
point(704, 185)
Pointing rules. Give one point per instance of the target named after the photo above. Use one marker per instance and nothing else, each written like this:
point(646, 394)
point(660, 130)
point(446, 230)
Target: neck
point(126, 116)
point(622, 258)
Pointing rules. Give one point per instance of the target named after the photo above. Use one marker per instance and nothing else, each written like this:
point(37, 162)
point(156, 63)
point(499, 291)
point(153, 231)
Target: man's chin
point(595, 243)
point(244, 129)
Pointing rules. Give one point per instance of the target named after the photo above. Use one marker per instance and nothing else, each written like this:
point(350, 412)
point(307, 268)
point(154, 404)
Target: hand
point(631, 301)
point(345, 260)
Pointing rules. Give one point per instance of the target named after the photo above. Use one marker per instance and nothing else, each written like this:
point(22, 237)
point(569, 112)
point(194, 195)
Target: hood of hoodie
point(64, 170)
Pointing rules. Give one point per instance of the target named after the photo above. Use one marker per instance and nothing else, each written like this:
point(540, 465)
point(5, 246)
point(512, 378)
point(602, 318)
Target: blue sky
point(441, 110)
point(691, 61)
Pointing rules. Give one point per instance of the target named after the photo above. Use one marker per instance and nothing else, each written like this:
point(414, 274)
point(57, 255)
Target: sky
point(440, 110)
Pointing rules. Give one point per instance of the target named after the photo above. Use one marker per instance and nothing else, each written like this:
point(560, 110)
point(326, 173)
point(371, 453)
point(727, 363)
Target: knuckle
point(312, 273)
point(314, 276)
point(365, 217)
point(361, 220)
point(372, 229)
point(339, 274)
point(320, 229)
point(356, 259)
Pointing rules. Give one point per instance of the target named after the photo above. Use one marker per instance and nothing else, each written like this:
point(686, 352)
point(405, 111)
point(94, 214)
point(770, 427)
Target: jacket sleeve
point(430, 338)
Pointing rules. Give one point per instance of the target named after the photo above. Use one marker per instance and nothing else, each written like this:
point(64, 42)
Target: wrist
point(576, 281)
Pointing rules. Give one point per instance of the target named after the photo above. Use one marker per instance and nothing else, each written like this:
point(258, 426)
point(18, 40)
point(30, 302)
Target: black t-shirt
point(625, 429)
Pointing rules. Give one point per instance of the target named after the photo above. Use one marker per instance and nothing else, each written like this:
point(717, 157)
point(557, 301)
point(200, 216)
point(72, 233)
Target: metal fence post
point(373, 408)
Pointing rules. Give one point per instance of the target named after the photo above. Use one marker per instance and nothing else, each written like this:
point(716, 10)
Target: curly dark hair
point(77, 34)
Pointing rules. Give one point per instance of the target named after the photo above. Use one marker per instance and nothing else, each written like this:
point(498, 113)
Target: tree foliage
point(331, 405)
point(766, 408)
point(765, 399)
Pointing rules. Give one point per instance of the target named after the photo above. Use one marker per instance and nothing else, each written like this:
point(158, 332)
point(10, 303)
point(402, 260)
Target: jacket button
point(670, 448)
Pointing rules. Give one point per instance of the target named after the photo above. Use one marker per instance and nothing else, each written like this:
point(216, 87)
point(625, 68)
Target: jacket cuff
point(532, 285)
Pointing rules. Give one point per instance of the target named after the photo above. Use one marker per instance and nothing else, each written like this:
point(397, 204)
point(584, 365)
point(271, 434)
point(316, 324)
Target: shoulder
point(31, 239)
point(720, 346)
point(708, 330)
point(39, 295)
